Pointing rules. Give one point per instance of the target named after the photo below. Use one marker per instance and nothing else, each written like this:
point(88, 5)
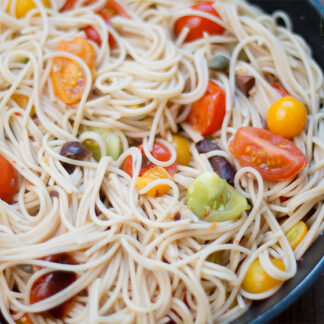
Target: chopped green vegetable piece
point(242, 55)
point(19, 322)
point(219, 63)
point(212, 199)
point(215, 257)
point(111, 139)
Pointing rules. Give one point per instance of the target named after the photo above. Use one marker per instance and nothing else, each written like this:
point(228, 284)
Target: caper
point(219, 63)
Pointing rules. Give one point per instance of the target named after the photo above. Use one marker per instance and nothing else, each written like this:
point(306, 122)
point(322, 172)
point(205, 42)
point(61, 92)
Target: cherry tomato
point(8, 181)
point(68, 5)
point(280, 89)
point(276, 158)
point(257, 281)
point(296, 234)
point(24, 6)
point(152, 175)
point(160, 152)
point(198, 25)
point(207, 113)
point(52, 283)
point(287, 117)
point(111, 8)
point(68, 77)
point(182, 148)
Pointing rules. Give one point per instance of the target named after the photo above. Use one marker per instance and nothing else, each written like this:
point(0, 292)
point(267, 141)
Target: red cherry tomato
point(207, 113)
point(112, 8)
point(160, 152)
point(280, 89)
point(275, 157)
point(52, 283)
point(8, 181)
point(68, 5)
point(198, 25)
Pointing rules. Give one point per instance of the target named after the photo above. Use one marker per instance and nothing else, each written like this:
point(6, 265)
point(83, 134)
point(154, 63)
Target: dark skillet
point(308, 21)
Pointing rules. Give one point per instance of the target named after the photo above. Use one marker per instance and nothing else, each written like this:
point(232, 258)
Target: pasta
point(143, 258)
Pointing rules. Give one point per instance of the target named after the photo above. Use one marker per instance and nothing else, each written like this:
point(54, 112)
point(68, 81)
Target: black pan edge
point(308, 21)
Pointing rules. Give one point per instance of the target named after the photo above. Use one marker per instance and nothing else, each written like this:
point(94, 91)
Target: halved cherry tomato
point(257, 281)
point(296, 234)
point(276, 158)
point(52, 283)
point(68, 77)
point(8, 181)
point(280, 89)
point(198, 25)
point(207, 113)
point(111, 8)
point(160, 152)
point(151, 175)
point(287, 117)
point(25, 319)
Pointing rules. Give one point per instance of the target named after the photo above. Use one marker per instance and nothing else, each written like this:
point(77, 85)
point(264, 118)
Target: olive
point(75, 150)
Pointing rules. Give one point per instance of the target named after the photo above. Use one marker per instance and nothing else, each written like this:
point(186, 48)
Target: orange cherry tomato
point(25, 319)
point(207, 113)
point(280, 89)
point(275, 157)
point(160, 152)
point(287, 117)
point(111, 8)
point(8, 181)
point(52, 283)
point(198, 25)
point(68, 77)
point(151, 175)
point(296, 234)
point(257, 281)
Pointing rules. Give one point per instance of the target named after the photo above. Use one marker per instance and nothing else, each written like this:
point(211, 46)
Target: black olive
point(219, 164)
point(74, 150)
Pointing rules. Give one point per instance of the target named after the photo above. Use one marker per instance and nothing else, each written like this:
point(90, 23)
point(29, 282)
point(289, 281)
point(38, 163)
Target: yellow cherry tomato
point(22, 102)
point(24, 6)
point(257, 281)
point(151, 175)
point(287, 117)
point(182, 148)
point(296, 234)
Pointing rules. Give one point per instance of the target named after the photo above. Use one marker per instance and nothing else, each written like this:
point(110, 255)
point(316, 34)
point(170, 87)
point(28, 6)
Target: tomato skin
point(8, 181)
point(198, 25)
point(159, 151)
point(296, 234)
point(287, 117)
point(275, 157)
point(280, 89)
point(207, 113)
point(68, 5)
point(111, 8)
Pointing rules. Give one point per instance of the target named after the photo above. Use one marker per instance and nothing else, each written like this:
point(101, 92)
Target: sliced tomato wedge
point(207, 113)
point(275, 157)
point(160, 152)
point(198, 25)
point(68, 5)
point(280, 89)
point(8, 181)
